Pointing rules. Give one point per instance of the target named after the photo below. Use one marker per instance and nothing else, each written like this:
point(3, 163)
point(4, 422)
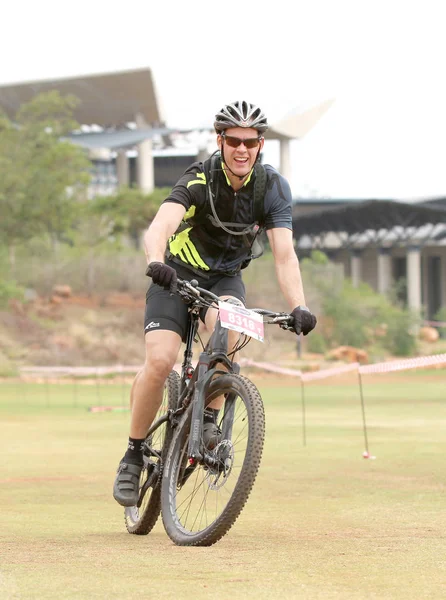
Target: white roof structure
point(106, 99)
point(297, 125)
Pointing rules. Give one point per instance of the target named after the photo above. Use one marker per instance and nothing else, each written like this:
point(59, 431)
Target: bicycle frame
point(195, 382)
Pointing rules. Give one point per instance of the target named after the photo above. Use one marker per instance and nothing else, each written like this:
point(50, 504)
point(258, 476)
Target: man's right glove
point(162, 275)
point(304, 321)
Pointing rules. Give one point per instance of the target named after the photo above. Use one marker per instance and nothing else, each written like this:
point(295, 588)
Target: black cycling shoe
point(126, 486)
point(211, 435)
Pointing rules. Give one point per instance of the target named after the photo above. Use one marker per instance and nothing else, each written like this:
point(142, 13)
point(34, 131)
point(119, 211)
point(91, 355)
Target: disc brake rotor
point(224, 453)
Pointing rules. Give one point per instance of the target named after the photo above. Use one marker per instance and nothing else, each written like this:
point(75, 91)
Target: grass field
point(322, 522)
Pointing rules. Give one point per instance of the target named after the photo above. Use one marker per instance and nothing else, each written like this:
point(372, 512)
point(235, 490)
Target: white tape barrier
point(270, 367)
point(383, 367)
point(404, 364)
point(79, 371)
point(435, 323)
point(120, 369)
point(330, 372)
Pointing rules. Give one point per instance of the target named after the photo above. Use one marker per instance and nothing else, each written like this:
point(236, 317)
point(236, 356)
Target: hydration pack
point(252, 231)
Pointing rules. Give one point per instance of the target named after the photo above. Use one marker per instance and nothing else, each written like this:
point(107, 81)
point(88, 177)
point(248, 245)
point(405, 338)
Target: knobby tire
point(175, 474)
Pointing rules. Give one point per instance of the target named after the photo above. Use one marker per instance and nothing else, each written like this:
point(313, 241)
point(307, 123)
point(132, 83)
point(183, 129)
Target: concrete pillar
point(414, 278)
point(425, 281)
point(203, 154)
point(145, 176)
point(285, 160)
point(384, 270)
point(443, 278)
point(355, 267)
point(122, 168)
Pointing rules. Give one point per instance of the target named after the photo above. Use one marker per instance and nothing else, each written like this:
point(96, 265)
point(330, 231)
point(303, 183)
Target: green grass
point(321, 522)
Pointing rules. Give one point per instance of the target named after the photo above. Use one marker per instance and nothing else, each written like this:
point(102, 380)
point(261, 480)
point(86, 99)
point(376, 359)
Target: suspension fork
point(228, 415)
point(218, 344)
point(187, 369)
point(204, 377)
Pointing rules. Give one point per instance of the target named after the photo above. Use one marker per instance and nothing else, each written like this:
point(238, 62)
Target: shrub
point(8, 291)
point(356, 315)
point(441, 316)
point(400, 339)
point(316, 343)
point(7, 368)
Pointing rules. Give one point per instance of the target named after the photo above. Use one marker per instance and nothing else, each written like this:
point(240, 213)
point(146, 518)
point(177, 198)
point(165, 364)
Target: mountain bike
point(199, 488)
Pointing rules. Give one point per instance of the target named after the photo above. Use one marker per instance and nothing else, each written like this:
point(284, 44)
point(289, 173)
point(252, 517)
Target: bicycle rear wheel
point(201, 503)
point(141, 519)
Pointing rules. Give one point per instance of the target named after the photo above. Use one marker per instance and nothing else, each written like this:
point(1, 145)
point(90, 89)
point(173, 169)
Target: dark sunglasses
point(235, 142)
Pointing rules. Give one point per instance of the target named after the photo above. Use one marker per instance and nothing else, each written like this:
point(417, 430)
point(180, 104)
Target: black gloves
point(304, 321)
point(162, 275)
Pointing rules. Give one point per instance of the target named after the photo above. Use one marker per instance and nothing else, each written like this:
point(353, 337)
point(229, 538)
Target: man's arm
point(287, 265)
point(164, 225)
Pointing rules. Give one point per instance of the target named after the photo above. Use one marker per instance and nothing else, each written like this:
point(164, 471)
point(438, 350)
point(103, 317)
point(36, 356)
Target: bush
point(96, 271)
point(360, 317)
point(400, 340)
point(347, 315)
point(7, 368)
point(441, 316)
point(316, 343)
point(8, 291)
point(317, 258)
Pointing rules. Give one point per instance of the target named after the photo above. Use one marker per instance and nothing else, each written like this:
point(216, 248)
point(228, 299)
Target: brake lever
point(192, 289)
point(281, 319)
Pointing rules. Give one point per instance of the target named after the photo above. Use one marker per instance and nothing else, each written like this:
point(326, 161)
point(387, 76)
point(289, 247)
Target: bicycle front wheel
point(141, 519)
point(200, 503)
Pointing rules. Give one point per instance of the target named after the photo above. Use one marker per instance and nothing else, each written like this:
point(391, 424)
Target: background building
point(381, 242)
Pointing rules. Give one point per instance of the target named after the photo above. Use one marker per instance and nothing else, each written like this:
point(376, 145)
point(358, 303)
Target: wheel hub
point(223, 454)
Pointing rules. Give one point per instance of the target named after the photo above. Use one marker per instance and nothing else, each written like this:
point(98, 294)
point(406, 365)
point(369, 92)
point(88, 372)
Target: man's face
point(240, 159)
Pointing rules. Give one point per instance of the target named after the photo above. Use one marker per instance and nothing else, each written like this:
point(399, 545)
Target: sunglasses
point(235, 142)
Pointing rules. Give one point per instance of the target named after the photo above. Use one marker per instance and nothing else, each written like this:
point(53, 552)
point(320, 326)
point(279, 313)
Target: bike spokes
point(206, 489)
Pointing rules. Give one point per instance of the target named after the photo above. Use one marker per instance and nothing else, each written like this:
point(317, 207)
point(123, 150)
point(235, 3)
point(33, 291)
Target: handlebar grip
point(173, 287)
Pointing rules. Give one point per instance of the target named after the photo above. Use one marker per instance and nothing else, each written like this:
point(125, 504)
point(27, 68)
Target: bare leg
point(145, 399)
point(162, 349)
point(133, 387)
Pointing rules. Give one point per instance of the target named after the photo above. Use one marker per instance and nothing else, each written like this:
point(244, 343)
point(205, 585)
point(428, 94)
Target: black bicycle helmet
point(240, 114)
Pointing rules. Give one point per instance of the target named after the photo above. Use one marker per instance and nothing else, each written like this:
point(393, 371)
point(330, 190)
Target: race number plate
point(242, 320)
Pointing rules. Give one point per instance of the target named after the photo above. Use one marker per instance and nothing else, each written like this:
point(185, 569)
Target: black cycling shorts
point(169, 312)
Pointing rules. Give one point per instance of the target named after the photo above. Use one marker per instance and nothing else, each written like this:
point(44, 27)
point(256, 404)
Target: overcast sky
point(383, 62)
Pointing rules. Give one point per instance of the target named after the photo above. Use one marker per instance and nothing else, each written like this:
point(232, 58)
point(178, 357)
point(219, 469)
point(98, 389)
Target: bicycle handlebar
point(191, 293)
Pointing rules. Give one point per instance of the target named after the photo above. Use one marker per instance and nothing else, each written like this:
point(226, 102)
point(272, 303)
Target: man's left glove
point(304, 320)
point(162, 275)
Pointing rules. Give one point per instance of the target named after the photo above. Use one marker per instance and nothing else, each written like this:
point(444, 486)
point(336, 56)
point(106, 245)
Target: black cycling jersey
point(206, 246)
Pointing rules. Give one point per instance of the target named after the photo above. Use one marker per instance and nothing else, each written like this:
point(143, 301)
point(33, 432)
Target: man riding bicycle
point(206, 230)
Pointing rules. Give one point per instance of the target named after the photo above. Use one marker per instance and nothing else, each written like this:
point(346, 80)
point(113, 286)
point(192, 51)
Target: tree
point(129, 210)
point(42, 174)
point(17, 210)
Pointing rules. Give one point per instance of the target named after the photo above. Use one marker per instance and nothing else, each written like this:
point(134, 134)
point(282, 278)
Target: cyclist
point(205, 230)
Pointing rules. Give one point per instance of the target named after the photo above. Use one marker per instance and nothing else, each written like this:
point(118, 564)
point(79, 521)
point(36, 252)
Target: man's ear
point(262, 141)
point(219, 141)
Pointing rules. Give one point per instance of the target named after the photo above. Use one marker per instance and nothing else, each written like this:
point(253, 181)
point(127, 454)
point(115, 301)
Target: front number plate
point(242, 320)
